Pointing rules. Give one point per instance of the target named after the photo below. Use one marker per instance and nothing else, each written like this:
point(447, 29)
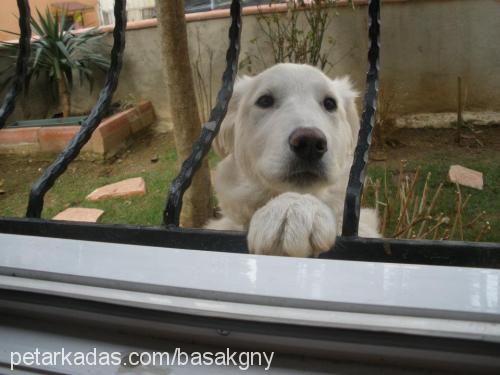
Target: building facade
point(81, 13)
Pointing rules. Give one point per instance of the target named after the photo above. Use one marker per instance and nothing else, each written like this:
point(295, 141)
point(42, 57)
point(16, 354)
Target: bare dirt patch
point(421, 144)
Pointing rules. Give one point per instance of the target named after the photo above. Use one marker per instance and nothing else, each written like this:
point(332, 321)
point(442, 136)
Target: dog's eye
point(330, 104)
point(265, 101)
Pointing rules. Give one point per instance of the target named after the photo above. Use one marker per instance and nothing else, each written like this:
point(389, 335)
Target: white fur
point(283, 218)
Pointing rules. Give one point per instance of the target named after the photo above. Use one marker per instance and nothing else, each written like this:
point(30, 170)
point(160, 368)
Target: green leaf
point(68, 74)
point(43, 23)
point(36, 26)
point(63, 24)
point(64, 51)
point(38, 53)
point(10, 32)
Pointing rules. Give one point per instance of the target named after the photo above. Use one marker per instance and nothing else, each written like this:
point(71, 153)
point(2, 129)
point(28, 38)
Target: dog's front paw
point(292, 224)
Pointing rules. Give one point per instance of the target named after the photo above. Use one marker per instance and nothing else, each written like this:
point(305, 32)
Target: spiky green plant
point(57, 53)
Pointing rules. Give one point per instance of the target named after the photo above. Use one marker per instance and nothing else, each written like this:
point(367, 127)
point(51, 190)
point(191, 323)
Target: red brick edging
point(110, 136)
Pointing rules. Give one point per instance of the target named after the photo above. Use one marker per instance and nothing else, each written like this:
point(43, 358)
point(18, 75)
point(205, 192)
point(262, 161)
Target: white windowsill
point(426, 300)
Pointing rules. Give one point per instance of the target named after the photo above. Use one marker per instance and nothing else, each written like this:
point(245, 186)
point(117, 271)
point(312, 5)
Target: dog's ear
point(348, 95)
point(224, 142)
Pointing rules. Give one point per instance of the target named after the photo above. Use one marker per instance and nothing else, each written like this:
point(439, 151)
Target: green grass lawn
point(83, 176)
point(72, 190)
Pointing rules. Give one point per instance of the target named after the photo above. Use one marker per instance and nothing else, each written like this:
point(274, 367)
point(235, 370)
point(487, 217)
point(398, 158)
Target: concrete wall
point(134, 9)
point(426, 44)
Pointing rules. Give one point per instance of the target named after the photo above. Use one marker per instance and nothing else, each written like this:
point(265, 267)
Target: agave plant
point(57, 54)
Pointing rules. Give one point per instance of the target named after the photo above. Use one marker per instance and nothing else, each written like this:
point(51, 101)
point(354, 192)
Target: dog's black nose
point(308, 143)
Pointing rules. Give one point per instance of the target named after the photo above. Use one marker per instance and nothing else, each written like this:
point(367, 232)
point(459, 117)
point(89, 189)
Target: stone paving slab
point(90, 215)
point(466, 177)
point(121, 189)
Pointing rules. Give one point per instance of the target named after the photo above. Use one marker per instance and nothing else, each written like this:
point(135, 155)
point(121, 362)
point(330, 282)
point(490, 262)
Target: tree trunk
point(183, 107)
point(64, 97)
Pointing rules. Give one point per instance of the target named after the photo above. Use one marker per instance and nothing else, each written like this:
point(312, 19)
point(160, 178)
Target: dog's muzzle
point(308, 144)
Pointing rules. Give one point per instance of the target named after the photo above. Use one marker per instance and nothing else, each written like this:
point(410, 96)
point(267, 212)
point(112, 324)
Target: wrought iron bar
point(23, 58)
point(357, 174)
point(52, 173)
point(181, 183)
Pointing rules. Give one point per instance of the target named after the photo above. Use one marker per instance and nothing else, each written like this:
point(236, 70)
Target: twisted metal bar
point(357, 174)
point(181, 183)
point(23, 57)
point(57, 168)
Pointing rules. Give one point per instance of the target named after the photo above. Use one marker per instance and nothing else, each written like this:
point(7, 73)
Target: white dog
point(288, 141)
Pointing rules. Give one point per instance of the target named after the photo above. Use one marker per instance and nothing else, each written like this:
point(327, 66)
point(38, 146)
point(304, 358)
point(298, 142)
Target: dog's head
point(291, 127)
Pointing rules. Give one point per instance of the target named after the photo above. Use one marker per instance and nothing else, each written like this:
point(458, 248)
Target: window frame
point(316, 306)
